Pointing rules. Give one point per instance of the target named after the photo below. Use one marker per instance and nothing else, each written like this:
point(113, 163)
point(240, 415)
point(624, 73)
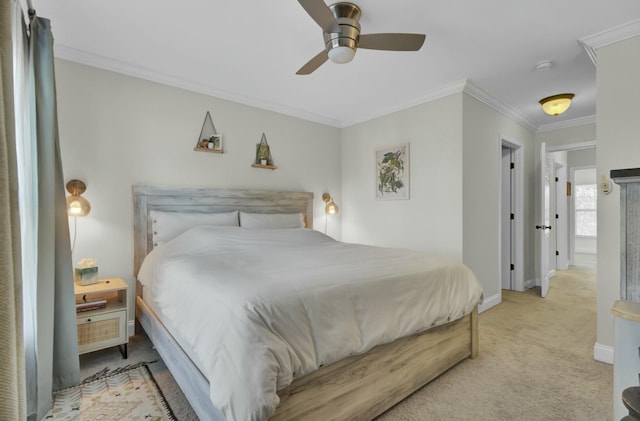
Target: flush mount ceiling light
point(556, 104)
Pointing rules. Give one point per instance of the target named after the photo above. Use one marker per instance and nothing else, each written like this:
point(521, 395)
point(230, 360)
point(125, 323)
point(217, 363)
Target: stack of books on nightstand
point(92, 303)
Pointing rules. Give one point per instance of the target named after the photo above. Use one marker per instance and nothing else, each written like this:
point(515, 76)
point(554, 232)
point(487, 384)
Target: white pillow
point(271, 220)
point(168, 225)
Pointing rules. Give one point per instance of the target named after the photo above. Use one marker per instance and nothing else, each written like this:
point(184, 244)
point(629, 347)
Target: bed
point(359, 379)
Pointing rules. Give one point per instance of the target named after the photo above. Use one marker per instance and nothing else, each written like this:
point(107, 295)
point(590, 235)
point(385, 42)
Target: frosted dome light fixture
point(556, 104)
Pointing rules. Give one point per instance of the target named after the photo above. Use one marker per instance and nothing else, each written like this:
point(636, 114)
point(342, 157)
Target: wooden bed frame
point(356, 388)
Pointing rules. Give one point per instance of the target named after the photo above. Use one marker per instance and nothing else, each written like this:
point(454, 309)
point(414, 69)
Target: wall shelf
point(199, 149)
point(209, 140)
point(267, 167)
point(263, 159)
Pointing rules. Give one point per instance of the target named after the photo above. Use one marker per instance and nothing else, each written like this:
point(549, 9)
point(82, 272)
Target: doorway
point(511, 216)
point(572, 162)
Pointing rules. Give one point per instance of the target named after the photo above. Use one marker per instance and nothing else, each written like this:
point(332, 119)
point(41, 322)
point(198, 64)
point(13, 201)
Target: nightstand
point(103, 321)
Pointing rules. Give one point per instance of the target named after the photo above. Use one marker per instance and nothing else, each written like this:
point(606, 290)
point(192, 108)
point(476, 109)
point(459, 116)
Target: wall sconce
point(76, 204)
point(556, 104)
point(331, 208)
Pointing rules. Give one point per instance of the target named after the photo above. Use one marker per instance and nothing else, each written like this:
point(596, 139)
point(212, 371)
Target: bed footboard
point(364, 386)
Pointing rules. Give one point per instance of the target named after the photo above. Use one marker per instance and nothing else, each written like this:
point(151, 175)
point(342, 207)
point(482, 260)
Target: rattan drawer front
point(101, 331)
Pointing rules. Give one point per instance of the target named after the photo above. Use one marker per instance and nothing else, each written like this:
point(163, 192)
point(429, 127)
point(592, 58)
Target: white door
point(506, 221)
point(561, 218)
point(545, 215)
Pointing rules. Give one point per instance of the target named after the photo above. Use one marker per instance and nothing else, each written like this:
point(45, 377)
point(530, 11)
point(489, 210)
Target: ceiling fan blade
point(314, 63)
point(392, 42)
point(319, 11)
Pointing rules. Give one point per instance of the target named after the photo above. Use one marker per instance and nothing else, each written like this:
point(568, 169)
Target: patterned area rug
point(128, 393)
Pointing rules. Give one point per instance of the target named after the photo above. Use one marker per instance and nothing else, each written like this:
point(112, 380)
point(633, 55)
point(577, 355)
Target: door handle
point(543, 227)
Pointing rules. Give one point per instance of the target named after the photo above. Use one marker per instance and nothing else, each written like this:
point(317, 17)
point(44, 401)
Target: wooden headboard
point(203, 200)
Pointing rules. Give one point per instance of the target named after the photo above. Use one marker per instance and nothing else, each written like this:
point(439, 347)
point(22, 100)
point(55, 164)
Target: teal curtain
point(57, 343)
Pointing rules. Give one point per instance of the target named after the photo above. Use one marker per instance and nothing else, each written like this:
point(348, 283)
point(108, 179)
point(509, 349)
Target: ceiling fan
point(341, 32)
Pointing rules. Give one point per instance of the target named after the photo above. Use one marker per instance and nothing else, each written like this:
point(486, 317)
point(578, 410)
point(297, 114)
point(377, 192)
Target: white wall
point(117, 131)
point(567, 136)
point(586, 245)
point(432, 218)
point(454, 206)
point(582, 157)
point(586, 175)
point(483, 131)
point(618, 133)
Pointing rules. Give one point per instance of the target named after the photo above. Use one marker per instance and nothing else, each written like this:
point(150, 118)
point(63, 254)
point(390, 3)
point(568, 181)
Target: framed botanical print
point(392, 172)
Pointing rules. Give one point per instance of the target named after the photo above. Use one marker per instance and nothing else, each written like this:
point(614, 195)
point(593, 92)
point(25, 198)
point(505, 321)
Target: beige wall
point(567, 136)
point(432, 218)
point(618, 134)
point(117, 131)
point(483, 132)
point(454, 207)
point(582, 157)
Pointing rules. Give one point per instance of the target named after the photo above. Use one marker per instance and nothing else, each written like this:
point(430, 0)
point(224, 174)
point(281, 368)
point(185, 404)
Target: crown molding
point(581, 121)
point(94, 60)
point(447, 90)
point(499, 106)
point(465, 85)
point(622, 32)
point(82, 57)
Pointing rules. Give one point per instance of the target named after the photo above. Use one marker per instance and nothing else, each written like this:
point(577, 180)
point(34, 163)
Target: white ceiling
point(249, 50)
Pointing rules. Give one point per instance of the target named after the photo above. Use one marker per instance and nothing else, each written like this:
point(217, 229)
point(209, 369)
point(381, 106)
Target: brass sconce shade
point(556, 104)
point(331, 207)
point(76, 204)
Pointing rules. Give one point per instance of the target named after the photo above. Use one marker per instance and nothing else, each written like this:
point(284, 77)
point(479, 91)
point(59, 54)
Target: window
point(586, 210)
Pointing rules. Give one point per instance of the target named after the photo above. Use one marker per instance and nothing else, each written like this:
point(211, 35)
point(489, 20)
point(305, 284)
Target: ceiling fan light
point(341, 54)
point(556, 104)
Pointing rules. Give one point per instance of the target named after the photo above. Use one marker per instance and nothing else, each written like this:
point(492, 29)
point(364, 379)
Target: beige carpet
point(536, 362)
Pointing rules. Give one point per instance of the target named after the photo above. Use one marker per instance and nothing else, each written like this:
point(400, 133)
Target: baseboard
point(530, 283)
point(489, 302)
point(603, 353)
point(131, 327)
point(586, 251)
point(552, 273)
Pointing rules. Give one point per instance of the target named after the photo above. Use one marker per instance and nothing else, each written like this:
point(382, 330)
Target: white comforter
point(262, 307)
